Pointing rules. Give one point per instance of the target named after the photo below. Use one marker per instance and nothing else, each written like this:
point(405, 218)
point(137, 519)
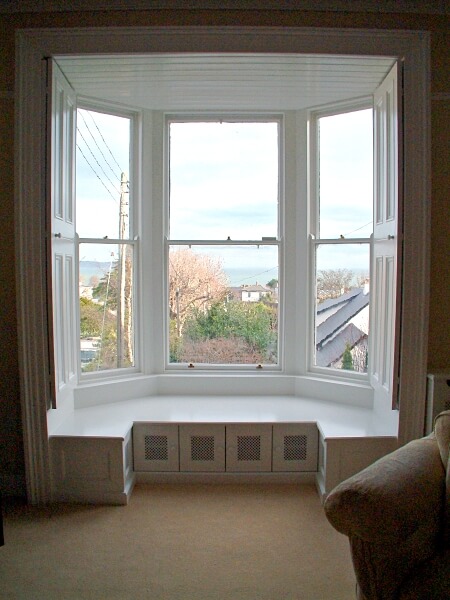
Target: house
point(250, 293)
point(86, 291)
point(432, 346)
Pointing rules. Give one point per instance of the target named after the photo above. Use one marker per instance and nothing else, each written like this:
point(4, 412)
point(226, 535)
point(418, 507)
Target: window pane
point(102, 167)
point(106, 306)
point(345, 175)
point(223, 304)
point(223, 181)
point(342, 306)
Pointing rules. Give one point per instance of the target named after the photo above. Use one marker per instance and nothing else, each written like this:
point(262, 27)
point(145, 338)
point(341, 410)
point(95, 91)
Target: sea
point(236, 276)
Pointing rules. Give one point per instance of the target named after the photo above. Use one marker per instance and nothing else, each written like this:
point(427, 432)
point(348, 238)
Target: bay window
point(318, 67)
point(225, 241)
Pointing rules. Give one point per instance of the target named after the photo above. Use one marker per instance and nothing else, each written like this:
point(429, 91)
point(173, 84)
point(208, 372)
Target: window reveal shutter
point(386, 255)
point(62, 238)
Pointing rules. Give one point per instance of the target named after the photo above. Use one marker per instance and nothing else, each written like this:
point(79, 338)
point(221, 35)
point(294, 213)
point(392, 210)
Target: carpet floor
point(178, 542)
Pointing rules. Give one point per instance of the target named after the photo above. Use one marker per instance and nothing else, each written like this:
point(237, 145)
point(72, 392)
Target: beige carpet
point(178, 542)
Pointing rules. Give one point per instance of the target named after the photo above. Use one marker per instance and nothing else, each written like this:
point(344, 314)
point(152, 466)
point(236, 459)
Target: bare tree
point(332, 283)
point(195, 281)
point(360, 356)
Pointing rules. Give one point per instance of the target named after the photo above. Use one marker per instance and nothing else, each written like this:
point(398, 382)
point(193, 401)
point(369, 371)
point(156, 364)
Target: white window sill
point(219, 384)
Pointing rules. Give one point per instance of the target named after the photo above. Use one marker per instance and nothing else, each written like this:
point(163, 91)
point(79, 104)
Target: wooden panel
point(62, 235)
point(71, 334)
point(389, 315)
point(128, 459)
point(295, 447)
point(202, 447)
point(346, 457)
point(58, 317)
point(88, 469)
point(155, 447)
point(249, 447)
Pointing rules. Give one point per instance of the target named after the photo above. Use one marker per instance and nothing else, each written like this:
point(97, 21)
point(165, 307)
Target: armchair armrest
point(391, 513)
point(391, 499)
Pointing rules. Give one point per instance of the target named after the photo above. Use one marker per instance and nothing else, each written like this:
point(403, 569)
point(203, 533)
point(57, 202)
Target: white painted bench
point(92, 450)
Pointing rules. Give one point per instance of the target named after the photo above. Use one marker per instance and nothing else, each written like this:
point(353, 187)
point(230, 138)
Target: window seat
point(91, 451)
point(115, 419)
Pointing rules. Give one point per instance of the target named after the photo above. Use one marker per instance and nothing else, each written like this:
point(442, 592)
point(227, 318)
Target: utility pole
point(177, 298)
point(122, 274)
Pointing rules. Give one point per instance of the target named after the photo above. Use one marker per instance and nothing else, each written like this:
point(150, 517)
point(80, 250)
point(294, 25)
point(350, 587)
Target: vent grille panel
point(295, 447)
point(156, 447)
point(235, 447)
point(248, 447)
point(202, 447)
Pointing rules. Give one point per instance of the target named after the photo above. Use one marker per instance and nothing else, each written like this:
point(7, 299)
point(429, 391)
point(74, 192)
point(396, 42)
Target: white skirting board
point(225, 478)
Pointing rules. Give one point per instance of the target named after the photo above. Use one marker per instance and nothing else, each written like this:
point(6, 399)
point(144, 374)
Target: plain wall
point(12, 470)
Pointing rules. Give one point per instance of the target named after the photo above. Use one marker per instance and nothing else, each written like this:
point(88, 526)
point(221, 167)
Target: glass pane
point(342, 306)
point(345, 175)
point(106, 306)
point(102, 167)
point(223, 304)
point(223, 181)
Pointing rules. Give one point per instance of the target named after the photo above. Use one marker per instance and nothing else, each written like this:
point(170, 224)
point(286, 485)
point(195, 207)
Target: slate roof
point(330, 352)
point(254, 288)
point(237, 291)
point(331, 302)
point(355, 301)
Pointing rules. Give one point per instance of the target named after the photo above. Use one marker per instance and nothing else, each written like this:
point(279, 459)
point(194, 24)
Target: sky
point(224, 181)
point(346, 175)
point(103, 153)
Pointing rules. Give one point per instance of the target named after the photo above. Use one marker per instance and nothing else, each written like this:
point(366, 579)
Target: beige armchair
point(396, 514)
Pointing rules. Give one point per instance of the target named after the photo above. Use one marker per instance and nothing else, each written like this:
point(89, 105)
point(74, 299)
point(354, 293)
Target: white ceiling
point(213, 82)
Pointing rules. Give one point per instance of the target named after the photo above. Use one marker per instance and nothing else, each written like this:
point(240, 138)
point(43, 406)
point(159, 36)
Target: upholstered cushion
point(442, 432)
point(447, 506)
point(392, 499)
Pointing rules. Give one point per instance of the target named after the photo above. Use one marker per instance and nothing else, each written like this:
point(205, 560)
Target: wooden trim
point(416, 241)
point(34, 45)
point(373, 6)
point(31, 270)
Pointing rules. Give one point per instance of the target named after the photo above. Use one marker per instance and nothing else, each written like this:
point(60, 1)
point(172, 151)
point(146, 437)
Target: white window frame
point(314, 239)
point(228, 117)
point(412, 47)
point(135, 195)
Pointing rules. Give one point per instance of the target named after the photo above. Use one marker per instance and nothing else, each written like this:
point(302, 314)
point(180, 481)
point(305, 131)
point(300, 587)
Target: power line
point(257, 274)
point(104, 141)
point(95, 158)
point(98, 147)
point(358, 228)
point(96, 174)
